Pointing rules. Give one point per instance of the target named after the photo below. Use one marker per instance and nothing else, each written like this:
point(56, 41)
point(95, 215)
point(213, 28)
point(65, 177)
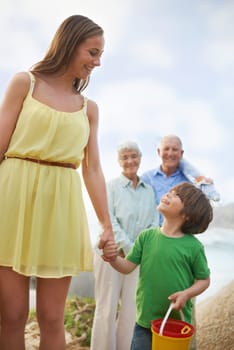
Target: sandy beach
point(215, 321)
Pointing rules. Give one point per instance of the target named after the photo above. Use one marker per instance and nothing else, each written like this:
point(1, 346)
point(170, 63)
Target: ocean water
point(219, 248)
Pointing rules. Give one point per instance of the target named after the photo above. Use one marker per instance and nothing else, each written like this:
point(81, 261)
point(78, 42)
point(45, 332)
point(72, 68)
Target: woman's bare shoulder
point(92, 110)
point(92, 105)
point(21, 82)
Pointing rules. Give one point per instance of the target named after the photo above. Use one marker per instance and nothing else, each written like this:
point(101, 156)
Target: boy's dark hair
point(197, 208)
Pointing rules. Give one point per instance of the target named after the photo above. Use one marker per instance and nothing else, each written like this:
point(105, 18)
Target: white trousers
point(112, 288)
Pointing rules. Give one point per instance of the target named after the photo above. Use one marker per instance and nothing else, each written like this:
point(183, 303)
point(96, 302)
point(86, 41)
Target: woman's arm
point(10, 108)
point(94, 178)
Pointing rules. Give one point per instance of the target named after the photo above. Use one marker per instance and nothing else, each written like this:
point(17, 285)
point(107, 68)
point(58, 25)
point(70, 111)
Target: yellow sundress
point(43, 224)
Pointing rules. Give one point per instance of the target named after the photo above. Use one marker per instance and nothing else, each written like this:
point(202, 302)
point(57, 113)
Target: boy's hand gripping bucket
point(171, 334)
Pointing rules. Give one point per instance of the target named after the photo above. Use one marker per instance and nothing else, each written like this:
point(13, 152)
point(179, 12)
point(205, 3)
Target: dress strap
point(32, 82)
point(85, 104)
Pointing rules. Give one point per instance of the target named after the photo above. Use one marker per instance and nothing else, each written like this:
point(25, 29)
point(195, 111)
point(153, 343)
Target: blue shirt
point(131, 210)
point(161, 183)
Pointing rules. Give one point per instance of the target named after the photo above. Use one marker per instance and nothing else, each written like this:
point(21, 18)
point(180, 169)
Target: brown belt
point(46, 162)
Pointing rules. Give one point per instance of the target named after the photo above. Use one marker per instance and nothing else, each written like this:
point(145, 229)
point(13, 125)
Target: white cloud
point(129, 103)
point(219, 54)
point(220, 19)
point(219, 48)
point(153, 52)
point(143, 106)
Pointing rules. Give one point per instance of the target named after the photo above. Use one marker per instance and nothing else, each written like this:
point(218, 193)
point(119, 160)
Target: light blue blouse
point(131, 210)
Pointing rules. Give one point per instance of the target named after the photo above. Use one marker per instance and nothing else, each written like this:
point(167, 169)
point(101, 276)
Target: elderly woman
point(132, 209)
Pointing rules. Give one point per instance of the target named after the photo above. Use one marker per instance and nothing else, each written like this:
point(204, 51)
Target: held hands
point(107, 235)
point(107, 244)
point(110, 251)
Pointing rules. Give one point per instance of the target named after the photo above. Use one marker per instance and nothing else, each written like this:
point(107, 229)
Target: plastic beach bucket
point(171, 334)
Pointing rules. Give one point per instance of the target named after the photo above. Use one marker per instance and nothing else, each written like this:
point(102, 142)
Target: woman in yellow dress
point(47, 129)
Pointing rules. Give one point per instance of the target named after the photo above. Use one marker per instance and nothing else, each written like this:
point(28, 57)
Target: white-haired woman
point(132, 209)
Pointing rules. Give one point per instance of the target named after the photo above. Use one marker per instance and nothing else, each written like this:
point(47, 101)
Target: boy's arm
point(120, 264)
point(180, 298)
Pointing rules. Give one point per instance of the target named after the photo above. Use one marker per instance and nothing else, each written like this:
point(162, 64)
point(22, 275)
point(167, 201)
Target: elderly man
point(174, 169)
point(169, 173)
point(132, 209)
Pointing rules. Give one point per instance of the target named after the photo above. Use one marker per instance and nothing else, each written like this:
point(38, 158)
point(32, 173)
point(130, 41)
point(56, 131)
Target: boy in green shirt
point(173, 265)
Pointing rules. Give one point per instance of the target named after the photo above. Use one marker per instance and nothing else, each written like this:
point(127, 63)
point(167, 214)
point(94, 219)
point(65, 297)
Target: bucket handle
point(166, 318)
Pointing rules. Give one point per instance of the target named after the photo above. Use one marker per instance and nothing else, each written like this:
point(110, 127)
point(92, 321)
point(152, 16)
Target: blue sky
point(168, 67)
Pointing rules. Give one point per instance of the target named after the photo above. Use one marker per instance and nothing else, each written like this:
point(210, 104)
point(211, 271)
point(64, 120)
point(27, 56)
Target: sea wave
point(217, 237)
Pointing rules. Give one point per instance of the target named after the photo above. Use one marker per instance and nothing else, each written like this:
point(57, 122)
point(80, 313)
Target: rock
point(215, 321)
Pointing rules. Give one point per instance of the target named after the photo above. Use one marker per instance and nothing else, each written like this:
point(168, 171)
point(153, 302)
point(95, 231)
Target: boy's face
point(171, 205)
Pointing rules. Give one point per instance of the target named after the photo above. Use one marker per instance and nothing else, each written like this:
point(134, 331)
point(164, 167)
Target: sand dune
point(215, 321)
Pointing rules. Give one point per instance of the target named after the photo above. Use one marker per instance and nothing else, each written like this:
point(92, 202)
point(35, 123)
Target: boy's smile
point(170, 204)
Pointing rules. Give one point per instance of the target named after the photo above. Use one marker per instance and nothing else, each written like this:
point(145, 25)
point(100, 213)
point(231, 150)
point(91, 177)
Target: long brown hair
point(197, 208)
point(71, 33)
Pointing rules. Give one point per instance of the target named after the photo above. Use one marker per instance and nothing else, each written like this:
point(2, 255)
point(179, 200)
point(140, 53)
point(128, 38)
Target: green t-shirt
point(167, 265)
